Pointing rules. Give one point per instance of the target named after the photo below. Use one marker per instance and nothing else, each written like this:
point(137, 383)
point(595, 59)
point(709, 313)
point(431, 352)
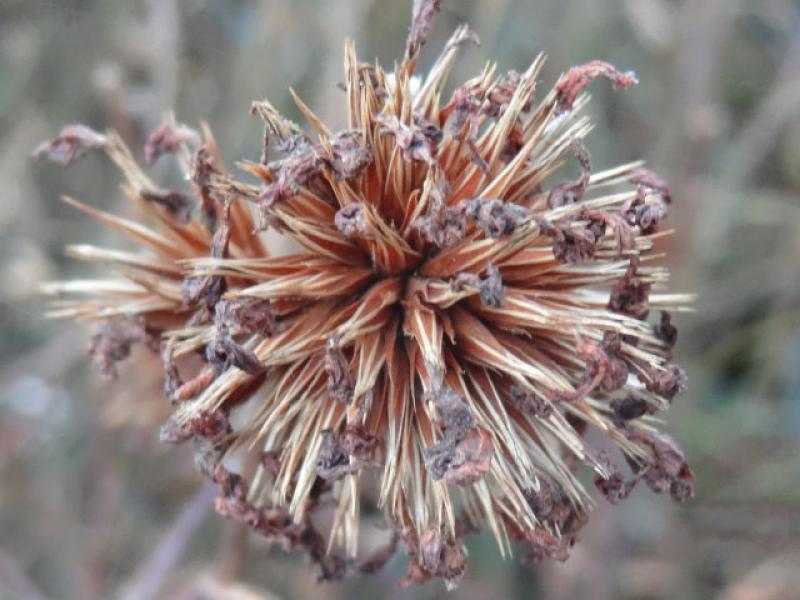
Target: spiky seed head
point(455, 322)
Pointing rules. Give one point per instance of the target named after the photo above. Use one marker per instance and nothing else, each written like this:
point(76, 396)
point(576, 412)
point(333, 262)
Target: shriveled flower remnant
point(452, 327)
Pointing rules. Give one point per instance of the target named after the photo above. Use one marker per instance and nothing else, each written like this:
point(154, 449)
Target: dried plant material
point(349, 155)
point(418, 142)
point(250, 315)
point(529, 402)
point(178, 204)
point(203, 172)
point(630, 294)
point(469, 461)
point(70, 144)
point(443, 227)
point(359, 443)
point(463, 121)
point(293, 172)
point(668, 382)
point(670, 469)
point(574, 242)
point(666, 331)
point(333, 461)
point(209, 425)
point(577, 79)
point(645, 215)
point(113, 342)
point(223, 353)
point(438, 558)
point(204, 291)
point(615, 487)
point(464, 454)
point(605, 369)
point(572, 192)
point(500, 94)
point(630, 407)
point(167, 139)
point(340, 381)
point(665, 470)
point(624, 237)
point(489, 285)
point(422, 15)
point(649, 180)
point(494, 216)
point(350, 220)
point(439, 338)
point(560, 520)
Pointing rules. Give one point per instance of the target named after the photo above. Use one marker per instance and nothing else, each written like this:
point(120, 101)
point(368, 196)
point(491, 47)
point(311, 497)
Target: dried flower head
point(454, 322)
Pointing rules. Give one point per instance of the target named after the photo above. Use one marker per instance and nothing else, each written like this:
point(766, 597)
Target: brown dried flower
point(454, 321)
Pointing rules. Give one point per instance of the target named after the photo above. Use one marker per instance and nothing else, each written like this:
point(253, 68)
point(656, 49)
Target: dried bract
point(70, 144)
point(113, 342)
point(577, 79)
point(167, 139)
point(177, 203)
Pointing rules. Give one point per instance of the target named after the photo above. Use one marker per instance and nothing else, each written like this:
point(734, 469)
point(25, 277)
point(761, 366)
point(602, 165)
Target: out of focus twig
point(151, 575)
point(14, 580)
point(769, 118)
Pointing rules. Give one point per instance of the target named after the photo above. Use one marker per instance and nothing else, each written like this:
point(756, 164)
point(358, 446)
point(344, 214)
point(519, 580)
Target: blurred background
point(91, 506)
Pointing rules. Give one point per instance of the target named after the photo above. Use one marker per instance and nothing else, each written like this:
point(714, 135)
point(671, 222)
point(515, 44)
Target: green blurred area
point(88, 495)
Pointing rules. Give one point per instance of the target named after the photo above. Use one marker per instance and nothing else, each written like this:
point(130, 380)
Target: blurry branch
point(14, 580)
point(652, 22)
point(232, 551)
point(769, 118)
point(152, 574)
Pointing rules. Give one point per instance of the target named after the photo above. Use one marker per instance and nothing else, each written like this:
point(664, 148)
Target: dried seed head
point(453, 321)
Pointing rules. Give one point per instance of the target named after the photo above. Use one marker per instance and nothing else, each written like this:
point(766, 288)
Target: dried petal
point(418, 142)
point(630, 295)
point(179, 205)
point(206, 424)
point(573, 191)
point(667, 469)
point(359, 443)
point(630, 407)
point(494, 216)
point(668, 382)
point(349, 155)
point(454, 413)
point(350, 220)
point(422, 15)
point(443, 227)
point(224, 353)
point(203, 171)
point(500, 94)
point(573, 242)
point(649, 180)
point(470, 459)
point(530, 403)
point(167, 139)
point(490, 286)
point(577, 79)
point(340, 382)
point(251, 315)
point(71, 144)
point(333, 460)
point(113, 342)
point(666, 331)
